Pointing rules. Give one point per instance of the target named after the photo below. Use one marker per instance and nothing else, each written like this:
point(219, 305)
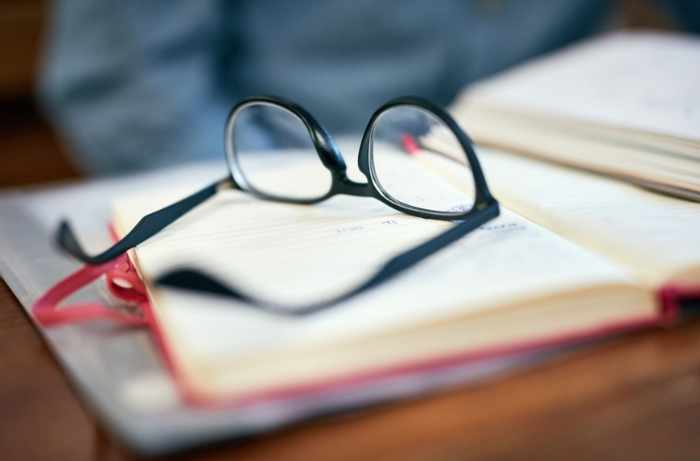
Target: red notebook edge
point(124, 283)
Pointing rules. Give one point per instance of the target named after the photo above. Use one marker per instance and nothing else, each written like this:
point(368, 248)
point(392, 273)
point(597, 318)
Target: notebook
point(626, 105)
point(573, 256)
point(135, 395)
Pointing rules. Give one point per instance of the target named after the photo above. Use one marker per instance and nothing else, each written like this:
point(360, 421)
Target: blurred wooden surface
point(21, 26)
point(635, 398)
point(30, 151)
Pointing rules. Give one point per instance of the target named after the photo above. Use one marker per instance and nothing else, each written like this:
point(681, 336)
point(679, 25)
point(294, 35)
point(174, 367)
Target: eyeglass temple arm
point(147, 227)
point(195, 280)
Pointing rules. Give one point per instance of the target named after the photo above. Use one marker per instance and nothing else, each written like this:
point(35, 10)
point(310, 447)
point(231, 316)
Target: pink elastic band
point(122, 282)
point(670, 298)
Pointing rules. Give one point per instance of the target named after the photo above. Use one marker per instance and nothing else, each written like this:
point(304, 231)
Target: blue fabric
point(133, 84)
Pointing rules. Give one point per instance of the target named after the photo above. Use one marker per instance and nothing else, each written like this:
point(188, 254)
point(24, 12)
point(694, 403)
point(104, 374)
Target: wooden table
point(636, 398)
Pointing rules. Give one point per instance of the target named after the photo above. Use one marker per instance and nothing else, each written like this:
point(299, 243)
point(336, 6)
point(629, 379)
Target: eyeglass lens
point(273, 151)
point(417, 161)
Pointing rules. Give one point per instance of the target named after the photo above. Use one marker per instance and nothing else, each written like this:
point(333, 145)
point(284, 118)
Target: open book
point(572, 256)
point(625, 105)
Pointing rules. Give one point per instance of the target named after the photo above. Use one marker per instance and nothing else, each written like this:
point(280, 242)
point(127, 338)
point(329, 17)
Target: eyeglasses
point(415, 157)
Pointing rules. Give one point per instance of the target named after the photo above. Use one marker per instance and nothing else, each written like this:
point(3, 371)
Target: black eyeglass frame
point(485, 206)
point(332, 159)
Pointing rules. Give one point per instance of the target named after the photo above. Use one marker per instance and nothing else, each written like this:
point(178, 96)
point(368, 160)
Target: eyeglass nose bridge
point(342, 185)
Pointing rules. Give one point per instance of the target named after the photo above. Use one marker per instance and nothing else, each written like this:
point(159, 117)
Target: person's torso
point(343, 59)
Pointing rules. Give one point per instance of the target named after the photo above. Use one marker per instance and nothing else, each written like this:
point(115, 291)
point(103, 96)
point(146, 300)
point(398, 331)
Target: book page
point(293, 253)
point(640, 81)
point(575, 146)
point(655, 236)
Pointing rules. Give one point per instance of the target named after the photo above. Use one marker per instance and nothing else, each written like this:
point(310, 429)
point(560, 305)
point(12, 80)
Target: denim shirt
point(133, 84)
